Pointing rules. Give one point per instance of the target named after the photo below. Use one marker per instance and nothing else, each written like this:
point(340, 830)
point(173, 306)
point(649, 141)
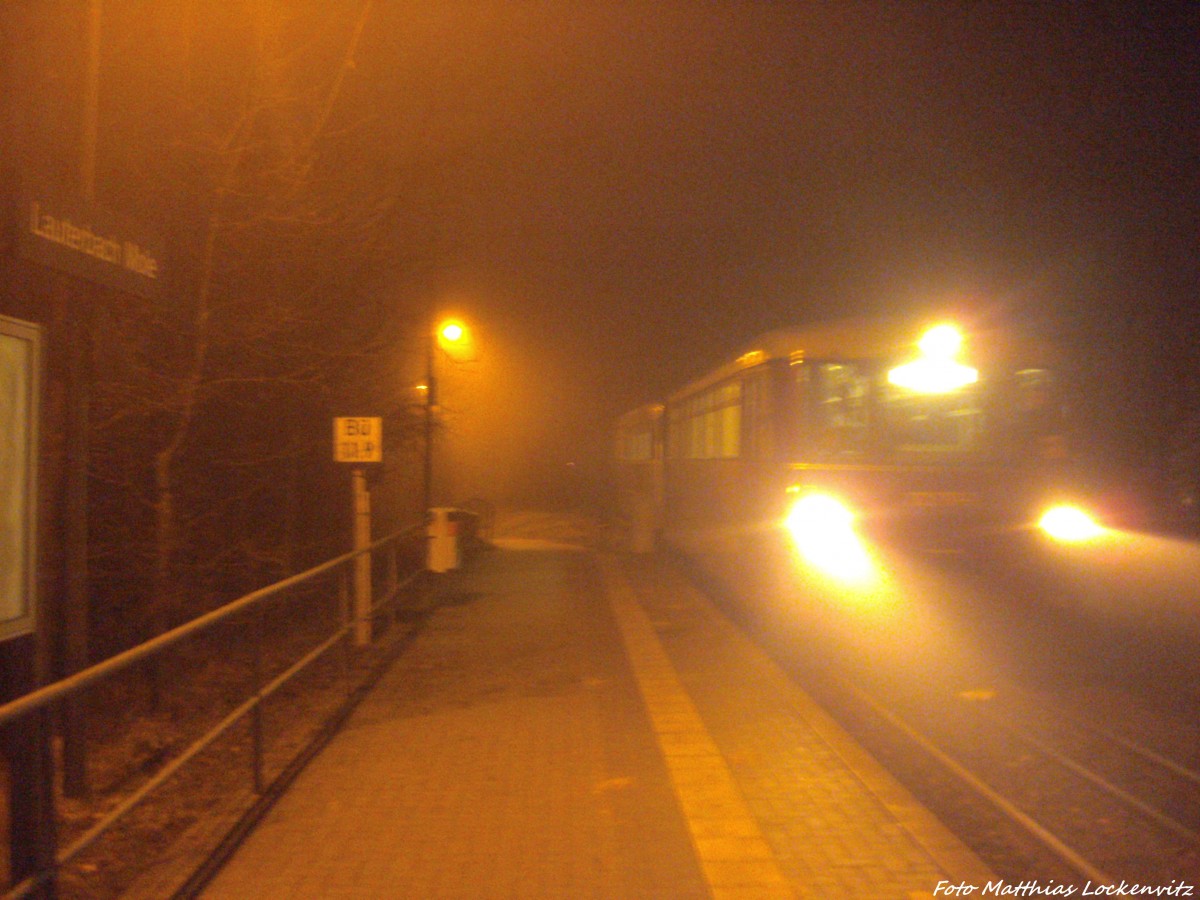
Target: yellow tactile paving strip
point(736, 859)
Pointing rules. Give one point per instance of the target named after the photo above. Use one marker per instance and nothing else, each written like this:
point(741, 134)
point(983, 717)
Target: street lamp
point(450, 335)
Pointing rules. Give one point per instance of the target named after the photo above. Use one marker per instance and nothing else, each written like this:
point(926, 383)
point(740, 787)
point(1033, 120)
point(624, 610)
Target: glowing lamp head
point(1069, 524)
point(455, 339)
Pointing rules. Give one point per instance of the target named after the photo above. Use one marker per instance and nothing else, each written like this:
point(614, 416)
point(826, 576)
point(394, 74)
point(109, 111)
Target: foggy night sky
point(627, 191)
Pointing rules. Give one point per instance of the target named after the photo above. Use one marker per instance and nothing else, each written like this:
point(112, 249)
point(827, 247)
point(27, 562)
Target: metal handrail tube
point(165, 773)
point(59, 689)
point(56, 691)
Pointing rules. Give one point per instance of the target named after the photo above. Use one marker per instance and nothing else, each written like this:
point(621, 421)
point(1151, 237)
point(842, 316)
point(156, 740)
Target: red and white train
point(933, 432)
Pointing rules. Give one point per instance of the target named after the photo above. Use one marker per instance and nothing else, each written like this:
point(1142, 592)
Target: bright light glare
point(455, 339)
point(1069, 524)
point(933, 376)
point(935, 372)
point(941, 342)
point(822, 528)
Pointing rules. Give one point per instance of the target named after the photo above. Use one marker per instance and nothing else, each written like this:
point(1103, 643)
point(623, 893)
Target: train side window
point(841, 409)
point(726, 421)
point(757, 439)
point(708, 425)
point(636, 444)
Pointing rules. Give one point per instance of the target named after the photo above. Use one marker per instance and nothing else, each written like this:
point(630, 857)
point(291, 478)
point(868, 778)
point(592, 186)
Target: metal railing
point(323, 614)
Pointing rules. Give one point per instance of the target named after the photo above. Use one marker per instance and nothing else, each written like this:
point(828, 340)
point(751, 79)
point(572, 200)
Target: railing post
point(25, 742)
point(33, 834)
point(393, 582)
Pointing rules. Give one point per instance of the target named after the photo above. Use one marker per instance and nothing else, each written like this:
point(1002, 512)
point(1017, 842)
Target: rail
point(269, 668)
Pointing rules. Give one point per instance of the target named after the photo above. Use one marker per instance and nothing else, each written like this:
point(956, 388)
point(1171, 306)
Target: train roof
point(874, 338)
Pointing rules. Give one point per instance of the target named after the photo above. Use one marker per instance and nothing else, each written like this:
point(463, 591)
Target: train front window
point(1035, 401)
point(948, 422)
point(858, 413)
point(1038, 423)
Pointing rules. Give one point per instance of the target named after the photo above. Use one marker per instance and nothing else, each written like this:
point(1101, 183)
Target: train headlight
point(1069, 524)
point(822, 529)
point(817, 513)
point(936, 371)
point(941, 342)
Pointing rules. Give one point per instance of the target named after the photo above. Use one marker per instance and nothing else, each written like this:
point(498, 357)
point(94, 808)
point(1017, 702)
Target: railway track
point(1043, 787)
point(1109, 810)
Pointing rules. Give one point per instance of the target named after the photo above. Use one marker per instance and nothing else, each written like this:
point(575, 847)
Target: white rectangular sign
point(19, 350)
point(358, 439)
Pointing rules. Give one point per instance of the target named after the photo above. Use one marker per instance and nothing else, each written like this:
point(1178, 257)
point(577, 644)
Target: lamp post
point(447, 334)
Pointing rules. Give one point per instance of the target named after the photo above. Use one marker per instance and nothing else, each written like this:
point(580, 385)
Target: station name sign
point(89, 242)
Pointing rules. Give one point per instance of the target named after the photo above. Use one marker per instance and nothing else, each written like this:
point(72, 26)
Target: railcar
point(930, 432)
point(640, 474)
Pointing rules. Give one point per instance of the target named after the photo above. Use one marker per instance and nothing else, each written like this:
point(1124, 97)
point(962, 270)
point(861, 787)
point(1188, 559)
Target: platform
point(575, 723)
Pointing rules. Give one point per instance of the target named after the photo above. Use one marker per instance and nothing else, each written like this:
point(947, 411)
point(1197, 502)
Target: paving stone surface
point(522, 748)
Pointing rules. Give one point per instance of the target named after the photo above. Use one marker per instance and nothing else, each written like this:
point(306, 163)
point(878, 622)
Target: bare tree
point(212, 409)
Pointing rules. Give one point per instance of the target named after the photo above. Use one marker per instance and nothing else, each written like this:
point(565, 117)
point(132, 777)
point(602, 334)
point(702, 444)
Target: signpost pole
point(358, 440)
point(362, 563)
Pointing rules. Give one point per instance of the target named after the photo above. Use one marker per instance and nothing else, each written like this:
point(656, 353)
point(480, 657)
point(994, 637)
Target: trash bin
point(444, 551)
